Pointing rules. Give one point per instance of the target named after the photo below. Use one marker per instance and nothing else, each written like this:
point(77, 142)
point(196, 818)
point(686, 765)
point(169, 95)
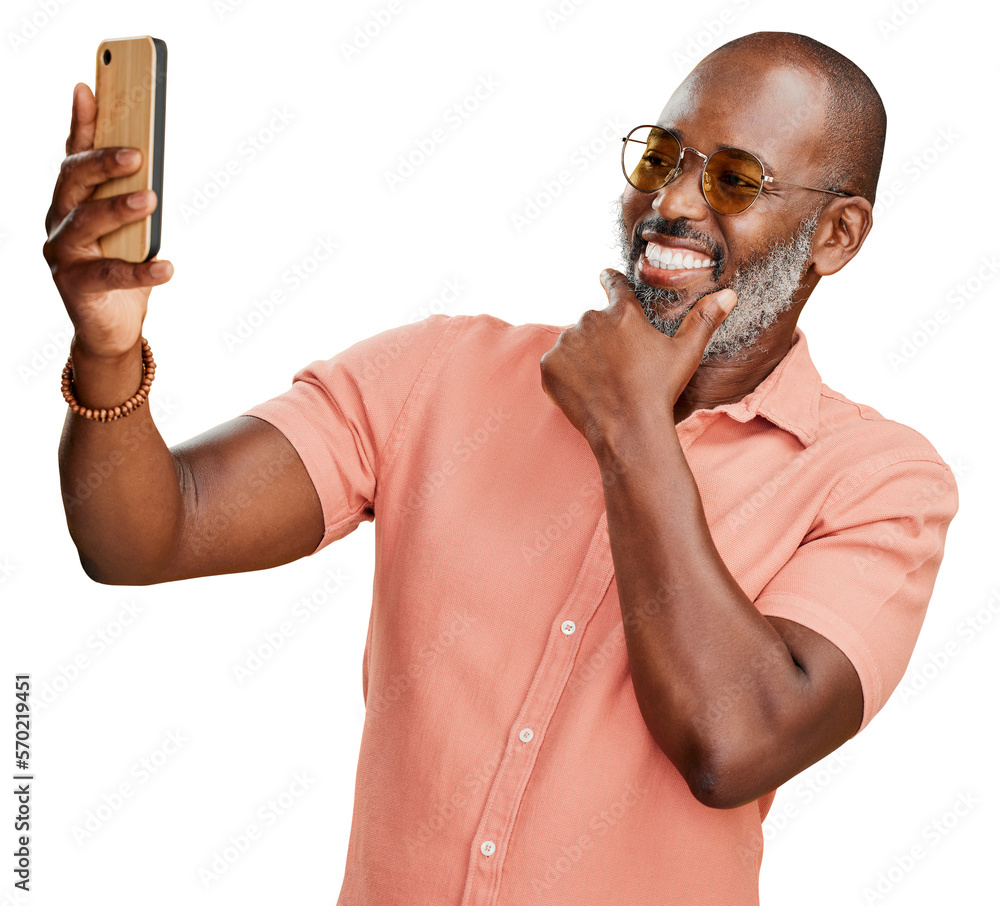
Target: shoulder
point(871, 446)
point(456, 354)
point(437, 336)
point(482, 329)
point(485, 342)
point(486, 328)
point(869, 430)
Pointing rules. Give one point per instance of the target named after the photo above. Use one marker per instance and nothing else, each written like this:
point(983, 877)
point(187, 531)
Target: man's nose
point(682, 197)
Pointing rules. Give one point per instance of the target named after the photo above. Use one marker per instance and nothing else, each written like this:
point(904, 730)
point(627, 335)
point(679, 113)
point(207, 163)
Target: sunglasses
point(731, 180)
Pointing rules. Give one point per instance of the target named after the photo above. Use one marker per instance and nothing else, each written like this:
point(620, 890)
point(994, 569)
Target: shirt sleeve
point(340, 415)
point(863, 576)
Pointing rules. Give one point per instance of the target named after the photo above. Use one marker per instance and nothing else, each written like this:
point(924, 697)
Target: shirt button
point(526, 734)
point(488, 847)
point(569, 627)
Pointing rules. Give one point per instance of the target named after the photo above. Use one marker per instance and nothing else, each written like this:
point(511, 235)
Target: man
point(614, 607)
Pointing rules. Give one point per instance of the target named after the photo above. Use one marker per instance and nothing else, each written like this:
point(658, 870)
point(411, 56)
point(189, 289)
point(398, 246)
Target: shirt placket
point(489, 846)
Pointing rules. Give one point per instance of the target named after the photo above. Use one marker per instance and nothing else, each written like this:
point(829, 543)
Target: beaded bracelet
point(115, 412)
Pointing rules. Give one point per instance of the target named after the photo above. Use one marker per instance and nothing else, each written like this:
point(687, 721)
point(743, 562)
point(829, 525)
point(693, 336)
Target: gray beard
point(764, 287)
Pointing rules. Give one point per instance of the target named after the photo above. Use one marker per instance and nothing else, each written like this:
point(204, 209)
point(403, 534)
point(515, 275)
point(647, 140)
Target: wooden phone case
point(130, 88)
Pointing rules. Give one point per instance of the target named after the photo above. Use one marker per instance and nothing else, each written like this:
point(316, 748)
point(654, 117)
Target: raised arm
point(235, 498)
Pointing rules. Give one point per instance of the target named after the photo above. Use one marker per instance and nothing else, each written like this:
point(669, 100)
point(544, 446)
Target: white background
point(558, 85)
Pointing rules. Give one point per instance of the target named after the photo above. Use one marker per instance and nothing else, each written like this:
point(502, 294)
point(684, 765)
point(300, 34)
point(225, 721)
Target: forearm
point(120, 488)
point(709, 671)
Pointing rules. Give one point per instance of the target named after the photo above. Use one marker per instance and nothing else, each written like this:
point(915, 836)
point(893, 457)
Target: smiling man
point(631, 575)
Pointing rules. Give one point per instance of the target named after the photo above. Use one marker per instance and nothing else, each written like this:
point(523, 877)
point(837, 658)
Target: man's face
point(762, 253)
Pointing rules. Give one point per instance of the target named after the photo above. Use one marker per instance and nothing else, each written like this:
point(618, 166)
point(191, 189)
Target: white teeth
point(674, 259)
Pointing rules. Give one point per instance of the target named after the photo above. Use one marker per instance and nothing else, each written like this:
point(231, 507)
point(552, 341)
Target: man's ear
point(840, 233)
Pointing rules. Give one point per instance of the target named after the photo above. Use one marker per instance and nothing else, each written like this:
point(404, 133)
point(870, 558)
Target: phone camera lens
point(107, 57)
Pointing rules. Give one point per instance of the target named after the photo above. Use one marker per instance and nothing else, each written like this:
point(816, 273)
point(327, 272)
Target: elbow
point(700, 755)
point(94, 572)
point(718, 781)
point(113, 575)
point(713, 789)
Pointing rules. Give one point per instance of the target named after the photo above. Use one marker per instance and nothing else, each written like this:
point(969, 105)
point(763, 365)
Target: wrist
point(108, 387)
point(619, 445)
point(82, 353)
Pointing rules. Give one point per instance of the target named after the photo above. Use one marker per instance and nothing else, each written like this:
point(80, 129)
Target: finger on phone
point(102, 275)
point(94, 219)
point(84, 120)
point(79, 176)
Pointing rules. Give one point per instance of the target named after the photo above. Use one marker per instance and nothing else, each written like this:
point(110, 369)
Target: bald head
point(854, 118)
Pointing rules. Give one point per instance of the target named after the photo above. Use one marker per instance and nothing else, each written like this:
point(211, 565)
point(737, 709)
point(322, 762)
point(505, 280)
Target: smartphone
point(131, 93)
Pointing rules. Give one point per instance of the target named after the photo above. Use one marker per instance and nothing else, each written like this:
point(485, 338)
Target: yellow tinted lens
point(732, 180)
point(649, 157)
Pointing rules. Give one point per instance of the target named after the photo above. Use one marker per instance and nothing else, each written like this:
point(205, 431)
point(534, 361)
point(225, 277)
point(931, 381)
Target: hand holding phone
point(131, 88)
point(105, 297)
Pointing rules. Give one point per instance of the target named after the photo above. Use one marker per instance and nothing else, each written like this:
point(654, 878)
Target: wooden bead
point(124, 409)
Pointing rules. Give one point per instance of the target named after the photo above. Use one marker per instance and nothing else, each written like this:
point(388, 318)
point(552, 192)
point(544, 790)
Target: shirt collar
point(788, 397)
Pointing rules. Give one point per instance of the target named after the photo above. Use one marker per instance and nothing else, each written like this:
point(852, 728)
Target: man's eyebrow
point(680, 134)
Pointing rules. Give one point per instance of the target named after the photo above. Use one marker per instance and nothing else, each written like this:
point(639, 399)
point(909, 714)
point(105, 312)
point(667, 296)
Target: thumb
point(704, 318)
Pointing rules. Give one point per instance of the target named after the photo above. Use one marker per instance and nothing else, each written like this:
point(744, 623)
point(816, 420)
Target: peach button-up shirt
point(504, 760)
